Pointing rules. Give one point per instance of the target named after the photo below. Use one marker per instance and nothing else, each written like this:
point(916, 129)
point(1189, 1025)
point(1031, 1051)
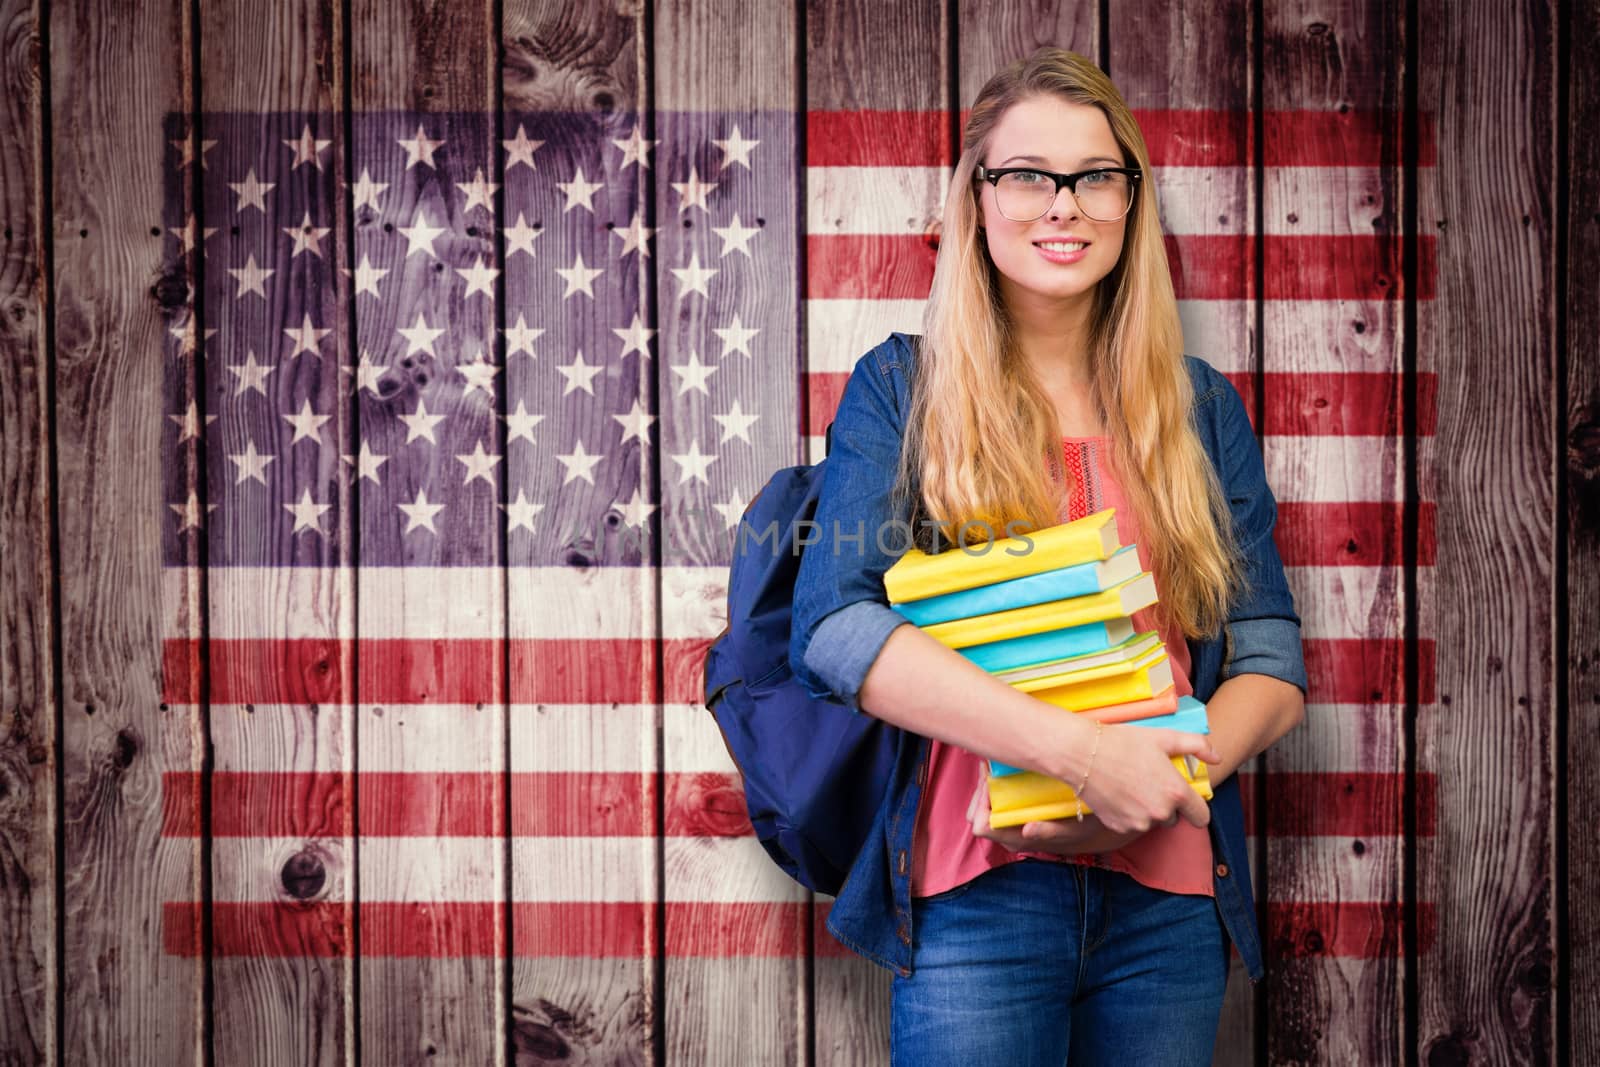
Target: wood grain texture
point(119, 289)
point(993, 35)
point(27, 655)
point(1487, 78)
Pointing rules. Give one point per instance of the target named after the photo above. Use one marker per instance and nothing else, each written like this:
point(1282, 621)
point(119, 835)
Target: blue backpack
point(815, 771)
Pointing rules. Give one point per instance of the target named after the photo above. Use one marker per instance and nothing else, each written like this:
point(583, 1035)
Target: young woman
point(1051, 383)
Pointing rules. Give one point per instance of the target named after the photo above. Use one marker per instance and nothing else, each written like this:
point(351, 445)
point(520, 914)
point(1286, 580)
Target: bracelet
point(1078, 793)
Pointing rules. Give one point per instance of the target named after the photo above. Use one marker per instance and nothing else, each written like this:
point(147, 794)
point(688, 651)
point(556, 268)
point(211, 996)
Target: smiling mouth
point(1062, 246)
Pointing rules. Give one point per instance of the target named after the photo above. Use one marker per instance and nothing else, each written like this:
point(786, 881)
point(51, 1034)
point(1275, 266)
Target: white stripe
point(1345, 738)
point(1341, 873)
point(1353, 602)
point(874, 200)
point(1336, 470)
point(839, 331)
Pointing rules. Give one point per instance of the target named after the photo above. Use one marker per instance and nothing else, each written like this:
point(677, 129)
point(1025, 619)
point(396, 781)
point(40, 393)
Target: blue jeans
point(1036, 963)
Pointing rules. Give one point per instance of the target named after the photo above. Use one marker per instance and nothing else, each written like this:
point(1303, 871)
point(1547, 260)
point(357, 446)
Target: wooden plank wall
point(232, 830)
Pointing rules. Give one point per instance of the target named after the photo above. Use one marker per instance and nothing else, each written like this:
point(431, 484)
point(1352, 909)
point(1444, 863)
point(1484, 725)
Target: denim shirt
point(841, 618)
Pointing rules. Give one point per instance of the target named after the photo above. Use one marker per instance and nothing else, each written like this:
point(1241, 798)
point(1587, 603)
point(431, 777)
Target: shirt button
point(1222, 870)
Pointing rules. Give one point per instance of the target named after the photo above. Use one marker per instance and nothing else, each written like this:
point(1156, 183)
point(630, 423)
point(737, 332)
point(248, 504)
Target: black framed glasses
point(1023, 194)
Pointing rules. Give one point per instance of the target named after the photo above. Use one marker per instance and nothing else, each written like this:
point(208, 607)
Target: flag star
point(419, 335)
point(368, 463)
point(579, 375)
point(367, 277)
point(185, 149)
point(736, 149)
point(693, 192)
point(420, 513)
point(735, 424)
point(420, 149)
point(635, 148)
point(520, 424)
point(579, 277)
point(579, 464)
point(420, 424)
point(480, 193)
point(636, 512)
point(635, 338)
point(479, 374)
point(636, 423)
point(189, 512)
point(735, 238)
point(250, 374)
point(693, 463)
point(694, 277)
point(186, 233)
point(520, 338)
point(420, 237)
point(479, 464)
point(735, 338)
point(307, 513)
point(251, 464)
point(635, 236)
point(189, 422)
point(366, 191)
point(307, 238)
point(732, 509)
point(367, 373)
point(185, 333)
point(306, 423)
point(519, 238)
point(307, 149)
point(580, 192)
point(521, 512)
point(251, 192)
point(694, 374)
point(251, 278)
point(480, 278)
point(520, 149)
point(307, 337)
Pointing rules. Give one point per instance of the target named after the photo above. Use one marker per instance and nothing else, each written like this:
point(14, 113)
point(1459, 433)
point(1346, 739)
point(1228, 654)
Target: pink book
point(1163, 703)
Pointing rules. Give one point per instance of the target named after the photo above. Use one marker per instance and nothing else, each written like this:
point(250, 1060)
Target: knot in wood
point(304, 875)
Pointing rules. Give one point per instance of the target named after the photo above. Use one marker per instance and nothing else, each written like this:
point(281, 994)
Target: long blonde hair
point(980, 422)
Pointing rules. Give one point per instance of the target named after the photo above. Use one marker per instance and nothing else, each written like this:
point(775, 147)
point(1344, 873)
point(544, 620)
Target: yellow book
point(1137, 681)
point(917, 574)
point(1120, 600)
point(1015, 799)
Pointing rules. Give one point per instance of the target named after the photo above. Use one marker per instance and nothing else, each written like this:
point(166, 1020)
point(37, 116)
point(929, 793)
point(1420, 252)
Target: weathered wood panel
point(127, 344)
point(27, 656)
point(1486, 76)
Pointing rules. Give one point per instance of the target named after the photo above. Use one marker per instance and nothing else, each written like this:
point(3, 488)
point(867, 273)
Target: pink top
point(945, 852)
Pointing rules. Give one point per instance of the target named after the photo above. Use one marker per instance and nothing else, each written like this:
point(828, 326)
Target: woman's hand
point(1064, 837)
point(1133, 786)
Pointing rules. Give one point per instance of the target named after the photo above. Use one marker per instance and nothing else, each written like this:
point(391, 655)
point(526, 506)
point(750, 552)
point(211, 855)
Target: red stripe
point(1349, 930)
point(1350, 534)
point(1364, 670)
point(870, 266)
point(878, 139)
point(1336, 403)
point(1339, 804)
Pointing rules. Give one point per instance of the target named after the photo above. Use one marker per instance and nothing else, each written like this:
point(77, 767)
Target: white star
point(694, 374)
point(368, 463)
point(580, 192)
point(367, 373)
point(520, 424)
point(735, 238)
point(519, 238)
point(694, 277)
point(520, 149)
point(693, 192)
point(579, 278)
point(189, 512)
point(521, 512)
point(307, 337)
point(479, 464)
point(185, 333)
point(186, 233)
point(250, 374)
point(635, 338)
point(636, 423)
point(251, 464)
point(420, 424)
point(366, 191)
point(307, 238)
point(693, 463)
point(636, 236)
point(478, 374)
point(579, 375)
point(735, 424)
point(420, 237)
point(367, 277)
point(307, 149)
point(733, 509)
point(480, 193)
point(251, 278)
point(636, 512)
point(635, 149)
point(251, 193)
point(579, 464)
point(735, 149)
point(189, 422)
point(419, 335)
point(420, 149)
point(420, 513)
point(306, 423)
point(520, 338)
point(735, 338)
point(480, 278)
point(185, 149)
point(306, 513)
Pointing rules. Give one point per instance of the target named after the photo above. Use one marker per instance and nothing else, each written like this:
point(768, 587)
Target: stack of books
point(1050, 614)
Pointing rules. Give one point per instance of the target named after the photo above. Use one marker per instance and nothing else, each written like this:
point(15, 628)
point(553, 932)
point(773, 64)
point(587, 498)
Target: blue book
point(1190, 718)
point(1080, 579)
point(1032, 649)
